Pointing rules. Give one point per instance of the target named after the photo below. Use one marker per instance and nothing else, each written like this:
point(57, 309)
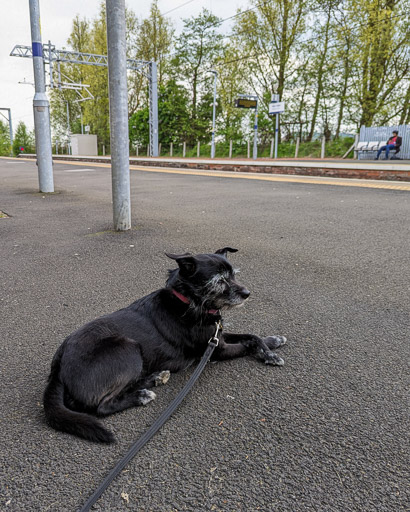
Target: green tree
point(230, 83)
point(4, 139)
point(173, 117)
point(270, 36)
point(405, 113)
point(336, 63)
point(88, 37)
point(96, 112)
point(23, 138)
point(382, 59)
point(139, 127)
point(341, 55)
point(152, 42)
point(320, 65)
point(196, 52)
point(64, 123)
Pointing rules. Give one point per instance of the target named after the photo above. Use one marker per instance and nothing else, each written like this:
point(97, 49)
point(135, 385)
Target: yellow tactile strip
point(311, 180)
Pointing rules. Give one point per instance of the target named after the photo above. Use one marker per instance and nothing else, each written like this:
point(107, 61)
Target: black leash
point(136, 447)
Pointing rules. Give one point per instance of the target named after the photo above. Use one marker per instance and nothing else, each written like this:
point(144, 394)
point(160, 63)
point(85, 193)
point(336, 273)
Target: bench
point(373, 147)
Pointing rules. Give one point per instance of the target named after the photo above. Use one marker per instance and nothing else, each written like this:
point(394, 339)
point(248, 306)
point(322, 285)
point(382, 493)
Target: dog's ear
point(225, 250)
point(186, 262)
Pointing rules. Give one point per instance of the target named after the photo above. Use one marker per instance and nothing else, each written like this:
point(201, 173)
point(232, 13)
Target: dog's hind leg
point(116, 403)
point(161, 378)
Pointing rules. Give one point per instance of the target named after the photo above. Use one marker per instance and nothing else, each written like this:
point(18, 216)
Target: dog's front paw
point(146, 396)
point(273, 359)
point(275, 341)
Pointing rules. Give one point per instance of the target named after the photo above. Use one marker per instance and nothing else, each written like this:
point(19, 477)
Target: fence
point(183, 149)
point(238, 149)
point(383, 133)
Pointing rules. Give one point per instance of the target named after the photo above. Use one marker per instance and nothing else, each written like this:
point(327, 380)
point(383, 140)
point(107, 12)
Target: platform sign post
point(248, 101)
point(276, 108)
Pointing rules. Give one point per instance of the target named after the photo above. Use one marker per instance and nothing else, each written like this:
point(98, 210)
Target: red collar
point(185, 300)
point(181, 297)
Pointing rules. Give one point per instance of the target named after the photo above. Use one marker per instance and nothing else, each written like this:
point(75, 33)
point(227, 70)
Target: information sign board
point(276, 107)
point(245, 103)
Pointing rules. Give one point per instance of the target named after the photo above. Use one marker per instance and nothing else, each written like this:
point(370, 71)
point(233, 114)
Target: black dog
point(110, 363)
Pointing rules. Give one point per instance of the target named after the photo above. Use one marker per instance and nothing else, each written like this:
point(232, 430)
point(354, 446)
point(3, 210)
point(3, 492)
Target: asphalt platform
point(328, 267)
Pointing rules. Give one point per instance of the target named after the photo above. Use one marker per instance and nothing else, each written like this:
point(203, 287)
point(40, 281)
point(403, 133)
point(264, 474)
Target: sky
point(56, 22)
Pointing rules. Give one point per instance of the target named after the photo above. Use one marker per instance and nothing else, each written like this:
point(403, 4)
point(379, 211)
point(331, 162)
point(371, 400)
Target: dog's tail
point(61, 418)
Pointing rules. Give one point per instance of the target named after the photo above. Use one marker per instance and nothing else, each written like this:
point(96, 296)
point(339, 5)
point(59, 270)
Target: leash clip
point(215, 340)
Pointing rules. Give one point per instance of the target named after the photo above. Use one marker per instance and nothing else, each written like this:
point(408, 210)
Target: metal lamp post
point(255, 135)
point(213, 114)
point(41, 105)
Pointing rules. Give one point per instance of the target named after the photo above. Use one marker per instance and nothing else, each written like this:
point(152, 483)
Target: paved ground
point(328, 266)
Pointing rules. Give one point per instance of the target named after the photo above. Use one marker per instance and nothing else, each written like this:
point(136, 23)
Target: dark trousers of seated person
point(386, 148)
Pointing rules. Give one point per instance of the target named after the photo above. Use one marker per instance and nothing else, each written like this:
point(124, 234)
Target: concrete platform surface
point(327, 266)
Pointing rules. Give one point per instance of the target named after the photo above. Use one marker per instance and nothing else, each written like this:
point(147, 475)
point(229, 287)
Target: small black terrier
point(110, 363)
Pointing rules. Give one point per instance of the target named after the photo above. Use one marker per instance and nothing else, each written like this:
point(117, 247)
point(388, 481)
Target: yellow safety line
point(311, 180)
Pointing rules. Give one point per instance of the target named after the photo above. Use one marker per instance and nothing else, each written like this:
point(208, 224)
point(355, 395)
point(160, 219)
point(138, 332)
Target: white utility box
point(84, 145)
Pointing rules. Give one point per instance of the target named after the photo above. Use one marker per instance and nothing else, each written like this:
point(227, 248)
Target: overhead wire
point(178, 7)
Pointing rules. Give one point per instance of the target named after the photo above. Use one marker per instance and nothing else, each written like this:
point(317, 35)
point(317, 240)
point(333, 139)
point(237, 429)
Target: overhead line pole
point(153, 109)
point(41, 105)
point(118, 94)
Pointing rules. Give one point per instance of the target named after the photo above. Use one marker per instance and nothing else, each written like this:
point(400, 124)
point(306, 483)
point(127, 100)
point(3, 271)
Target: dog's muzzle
point(244, 293)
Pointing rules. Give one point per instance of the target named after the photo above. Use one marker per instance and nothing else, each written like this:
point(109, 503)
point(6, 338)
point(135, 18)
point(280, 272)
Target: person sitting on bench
point(393, 143)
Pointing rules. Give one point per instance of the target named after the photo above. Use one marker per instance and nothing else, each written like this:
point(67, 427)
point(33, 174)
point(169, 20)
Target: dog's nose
point(244, 293)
